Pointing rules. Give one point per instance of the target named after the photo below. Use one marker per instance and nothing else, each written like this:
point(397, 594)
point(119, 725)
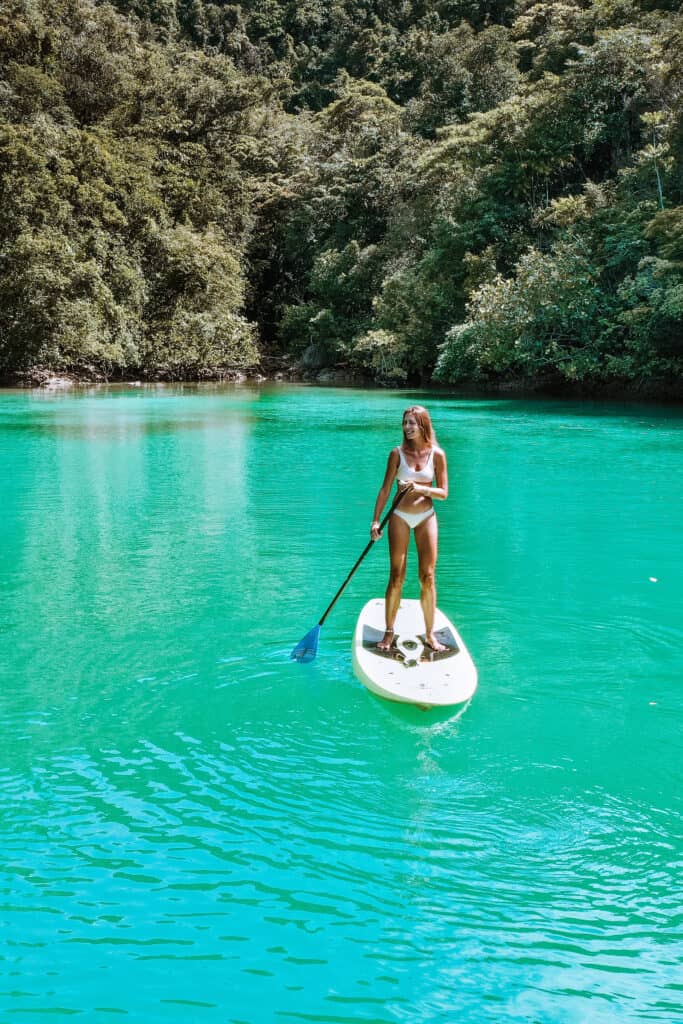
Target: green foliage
point(486, 189)
point(382, 355)
point(652, 301)
point(124, 182)
point(460, 72)
point(340, 196)
point(539, 322)
point(342, 284)
point(193, 306)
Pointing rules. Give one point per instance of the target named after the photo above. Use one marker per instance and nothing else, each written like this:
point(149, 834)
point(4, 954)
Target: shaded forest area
point(481, 194)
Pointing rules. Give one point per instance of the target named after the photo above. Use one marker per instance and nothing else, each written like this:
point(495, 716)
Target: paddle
point(307, 648)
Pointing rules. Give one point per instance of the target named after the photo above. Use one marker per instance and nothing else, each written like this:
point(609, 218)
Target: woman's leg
point(426, 539)
point(399, 535)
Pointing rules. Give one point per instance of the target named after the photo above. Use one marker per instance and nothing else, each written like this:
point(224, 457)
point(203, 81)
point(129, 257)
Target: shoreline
point(285, 372)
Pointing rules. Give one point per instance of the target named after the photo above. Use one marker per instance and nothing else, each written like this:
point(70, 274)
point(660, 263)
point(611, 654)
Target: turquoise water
point(196, 829)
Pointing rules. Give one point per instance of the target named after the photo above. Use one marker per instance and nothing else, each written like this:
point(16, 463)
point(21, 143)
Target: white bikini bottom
point(414, 519)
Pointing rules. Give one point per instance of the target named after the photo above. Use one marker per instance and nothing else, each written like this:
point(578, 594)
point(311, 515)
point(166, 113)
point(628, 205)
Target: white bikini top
point(419, 476)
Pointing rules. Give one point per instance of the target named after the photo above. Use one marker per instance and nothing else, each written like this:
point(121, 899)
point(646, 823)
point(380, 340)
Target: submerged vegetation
point(476, 193)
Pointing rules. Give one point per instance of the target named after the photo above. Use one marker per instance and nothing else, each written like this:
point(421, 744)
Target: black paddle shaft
point(367, 547)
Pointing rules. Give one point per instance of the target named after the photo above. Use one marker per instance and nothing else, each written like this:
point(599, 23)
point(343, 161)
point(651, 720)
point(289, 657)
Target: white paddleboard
point(411, 672)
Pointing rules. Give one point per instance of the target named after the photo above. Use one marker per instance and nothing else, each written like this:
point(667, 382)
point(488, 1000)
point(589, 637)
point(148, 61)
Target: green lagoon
point(197, 829)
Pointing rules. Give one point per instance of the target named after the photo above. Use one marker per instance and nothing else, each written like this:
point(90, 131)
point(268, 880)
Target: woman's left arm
point(440, 492)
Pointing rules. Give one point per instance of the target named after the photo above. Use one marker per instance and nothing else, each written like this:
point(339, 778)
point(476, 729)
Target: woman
point(415, 465)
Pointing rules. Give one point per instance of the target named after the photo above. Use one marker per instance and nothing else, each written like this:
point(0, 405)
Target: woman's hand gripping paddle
point(307, 648)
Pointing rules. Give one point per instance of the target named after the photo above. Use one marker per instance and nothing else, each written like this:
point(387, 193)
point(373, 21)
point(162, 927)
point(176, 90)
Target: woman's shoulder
point(436, 450)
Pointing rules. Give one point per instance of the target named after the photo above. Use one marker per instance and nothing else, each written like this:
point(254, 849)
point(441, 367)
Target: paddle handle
point(367, 547)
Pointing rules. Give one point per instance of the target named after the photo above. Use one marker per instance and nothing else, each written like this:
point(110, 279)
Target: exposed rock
point(336, 375)
point(38, 377)
point(314, 357)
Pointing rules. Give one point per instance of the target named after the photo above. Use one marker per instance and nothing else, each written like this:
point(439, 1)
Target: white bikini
point(405, 474)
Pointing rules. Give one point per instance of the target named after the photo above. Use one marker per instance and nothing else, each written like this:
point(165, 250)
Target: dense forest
point(481, 194)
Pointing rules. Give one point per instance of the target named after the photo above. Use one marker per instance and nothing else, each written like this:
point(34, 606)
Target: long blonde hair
point(424, 422)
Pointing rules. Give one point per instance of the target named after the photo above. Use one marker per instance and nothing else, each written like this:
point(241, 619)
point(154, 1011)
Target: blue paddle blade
point(307, 648)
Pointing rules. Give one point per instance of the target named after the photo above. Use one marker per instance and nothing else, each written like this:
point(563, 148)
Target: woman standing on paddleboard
point(415, 465)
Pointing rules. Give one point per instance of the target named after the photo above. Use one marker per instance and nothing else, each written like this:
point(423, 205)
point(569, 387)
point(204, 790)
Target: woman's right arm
point(384, 492)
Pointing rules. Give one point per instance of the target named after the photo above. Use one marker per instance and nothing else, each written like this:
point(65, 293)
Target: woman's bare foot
point(387, 640)
point(434, 644)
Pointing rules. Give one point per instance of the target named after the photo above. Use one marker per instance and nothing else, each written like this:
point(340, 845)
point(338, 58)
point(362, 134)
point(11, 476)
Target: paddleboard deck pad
point(410, 671)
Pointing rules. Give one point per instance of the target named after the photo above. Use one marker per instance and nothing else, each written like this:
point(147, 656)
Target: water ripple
point(175, 793)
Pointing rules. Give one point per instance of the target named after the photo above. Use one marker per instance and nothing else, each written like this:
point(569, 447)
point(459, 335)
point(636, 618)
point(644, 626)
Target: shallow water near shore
point(197, 829)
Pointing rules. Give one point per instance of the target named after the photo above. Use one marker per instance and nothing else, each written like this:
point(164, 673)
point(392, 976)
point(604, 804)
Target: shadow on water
point(414, 718)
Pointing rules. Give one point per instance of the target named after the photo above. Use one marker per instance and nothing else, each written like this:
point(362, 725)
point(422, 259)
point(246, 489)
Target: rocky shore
point(278, 370)
point(268, 370)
